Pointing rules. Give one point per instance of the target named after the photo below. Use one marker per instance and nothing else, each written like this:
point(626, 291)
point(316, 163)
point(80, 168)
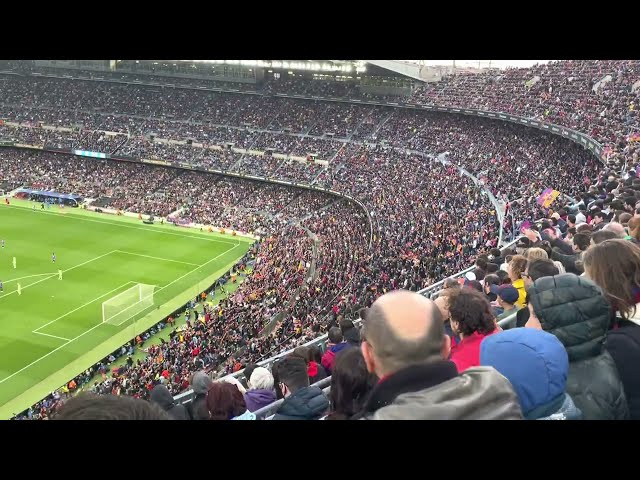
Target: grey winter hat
point(200, 382)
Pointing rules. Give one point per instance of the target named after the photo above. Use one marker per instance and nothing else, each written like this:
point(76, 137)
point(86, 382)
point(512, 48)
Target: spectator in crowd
point(301, 401)
point(634, 230)
point(335, 344)
point(405, 346)
point(537, 365)
point(261, 390)
point(246, 374)
point(350, 333)
point(615, 228)
point(88, 406)
point(614, 265)
point(315, 371)
point(572, 263)
point(575, 310)
point(472, 320)
point(489, 281)
point(515, 269)
point(161, 396)
point(197, 408)
point(507, 296)
point(535, 253)
point(602, 235)
point(442, 303)
point(535, 270)
point(351, 384)
point(225, 402)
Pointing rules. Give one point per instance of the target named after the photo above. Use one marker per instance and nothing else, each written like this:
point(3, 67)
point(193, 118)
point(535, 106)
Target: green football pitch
point(54, 329)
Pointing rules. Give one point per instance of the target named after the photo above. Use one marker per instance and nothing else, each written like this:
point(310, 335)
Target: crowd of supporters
point(428, 222)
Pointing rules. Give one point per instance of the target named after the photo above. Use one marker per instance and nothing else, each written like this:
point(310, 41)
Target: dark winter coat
point(435, 391)
point(161, 396)
point(623, 343)
point(316, 372)
point(308, 403)
point(197, 409)
point(568, 261)
point(574, 310)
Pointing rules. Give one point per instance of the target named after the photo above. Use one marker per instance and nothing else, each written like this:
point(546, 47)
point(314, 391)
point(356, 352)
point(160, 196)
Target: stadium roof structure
point(432, 70)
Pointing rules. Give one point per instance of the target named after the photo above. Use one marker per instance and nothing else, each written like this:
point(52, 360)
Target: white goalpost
point(127, 304)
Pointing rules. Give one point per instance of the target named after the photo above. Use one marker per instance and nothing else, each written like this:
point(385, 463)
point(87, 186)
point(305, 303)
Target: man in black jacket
point(572, 261)
point(197, 408)
point(301, 401)
point(161, 396)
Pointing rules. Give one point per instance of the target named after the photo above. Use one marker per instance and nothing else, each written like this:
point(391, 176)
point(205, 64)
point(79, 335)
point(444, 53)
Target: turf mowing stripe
point(157, 258)
point(81, 306)
point(76, 217)
point(55, 274)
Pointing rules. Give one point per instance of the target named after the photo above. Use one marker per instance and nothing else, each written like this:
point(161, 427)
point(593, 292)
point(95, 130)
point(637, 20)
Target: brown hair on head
point(472, 311)
point(518, 264)
point(614, 265)
point(224, 401)
point(634, 230)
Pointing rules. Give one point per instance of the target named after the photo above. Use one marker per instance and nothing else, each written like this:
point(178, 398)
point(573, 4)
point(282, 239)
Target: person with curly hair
point(472, 320)
point(515, 269)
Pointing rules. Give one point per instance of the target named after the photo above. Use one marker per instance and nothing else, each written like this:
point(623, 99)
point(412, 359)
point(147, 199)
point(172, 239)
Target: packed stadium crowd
point(427, 222)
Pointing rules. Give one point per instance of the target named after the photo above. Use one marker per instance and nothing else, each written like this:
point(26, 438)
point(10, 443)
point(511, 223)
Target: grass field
point(54, 330)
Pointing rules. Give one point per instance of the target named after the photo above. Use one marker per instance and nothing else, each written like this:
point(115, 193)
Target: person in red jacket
point(472, 320)
point(335, 345)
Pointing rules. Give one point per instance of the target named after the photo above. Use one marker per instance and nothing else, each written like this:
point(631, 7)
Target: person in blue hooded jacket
point(537, 365)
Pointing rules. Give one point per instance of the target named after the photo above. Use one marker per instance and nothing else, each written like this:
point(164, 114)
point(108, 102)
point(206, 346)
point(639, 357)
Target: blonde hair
point(536, 253)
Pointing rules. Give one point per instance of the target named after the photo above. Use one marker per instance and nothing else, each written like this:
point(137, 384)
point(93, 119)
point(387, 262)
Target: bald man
point(404, 344)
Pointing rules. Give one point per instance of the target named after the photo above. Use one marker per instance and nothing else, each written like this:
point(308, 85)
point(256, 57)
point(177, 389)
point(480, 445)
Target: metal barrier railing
point(265, 413)
point(186, 397)
point(325, 384)
point(429, 292)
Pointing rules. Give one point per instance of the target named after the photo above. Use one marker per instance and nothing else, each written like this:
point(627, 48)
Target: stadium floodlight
point(128, 304)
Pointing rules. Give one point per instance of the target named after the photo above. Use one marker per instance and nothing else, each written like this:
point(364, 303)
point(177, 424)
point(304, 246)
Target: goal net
point(128, 304)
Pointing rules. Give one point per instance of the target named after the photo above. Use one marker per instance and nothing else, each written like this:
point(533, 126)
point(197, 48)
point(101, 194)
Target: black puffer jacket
point(308, 403)
point(575, 310)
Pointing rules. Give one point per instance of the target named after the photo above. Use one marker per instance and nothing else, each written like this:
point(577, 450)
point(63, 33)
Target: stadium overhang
point(413, 70)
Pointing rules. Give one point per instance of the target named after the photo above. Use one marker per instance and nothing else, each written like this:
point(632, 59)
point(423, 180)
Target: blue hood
point(534, 361)
point(337, 348)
